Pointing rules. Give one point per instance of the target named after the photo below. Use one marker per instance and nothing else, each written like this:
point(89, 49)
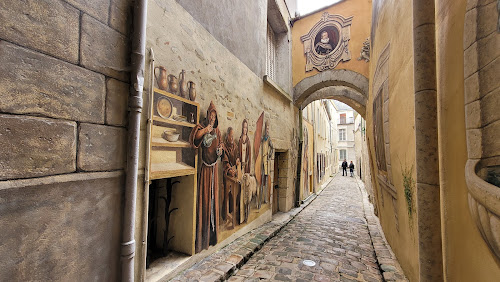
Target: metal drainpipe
point(135, 107)
point(299, 161)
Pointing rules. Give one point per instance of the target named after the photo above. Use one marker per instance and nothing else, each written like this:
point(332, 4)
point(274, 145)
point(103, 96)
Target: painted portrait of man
point(326, 40)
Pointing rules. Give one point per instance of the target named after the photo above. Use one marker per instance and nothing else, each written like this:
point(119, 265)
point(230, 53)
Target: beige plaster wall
point(395, 28)
point(360, 31)
point(466, 256)
point(180, 42)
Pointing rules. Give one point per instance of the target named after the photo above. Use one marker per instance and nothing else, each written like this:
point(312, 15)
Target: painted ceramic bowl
point(171, 136)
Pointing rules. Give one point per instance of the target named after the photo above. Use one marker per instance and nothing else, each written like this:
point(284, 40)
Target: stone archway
point(344, 85)
point(343, 94)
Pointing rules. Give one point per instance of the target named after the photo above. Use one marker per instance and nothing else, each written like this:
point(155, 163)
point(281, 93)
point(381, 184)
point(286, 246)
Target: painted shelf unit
point(176, 159)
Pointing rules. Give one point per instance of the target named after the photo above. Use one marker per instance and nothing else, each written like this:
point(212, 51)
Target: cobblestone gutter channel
point(257, 256)
point(388, 265)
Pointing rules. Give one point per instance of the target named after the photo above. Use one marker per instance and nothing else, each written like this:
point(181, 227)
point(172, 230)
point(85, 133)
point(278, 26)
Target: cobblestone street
point(333, 231)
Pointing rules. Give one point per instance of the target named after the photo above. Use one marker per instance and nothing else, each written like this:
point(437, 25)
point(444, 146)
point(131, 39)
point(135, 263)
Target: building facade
point(238, 183)
point(320, 146)
point(346, 127)
point(362, 163)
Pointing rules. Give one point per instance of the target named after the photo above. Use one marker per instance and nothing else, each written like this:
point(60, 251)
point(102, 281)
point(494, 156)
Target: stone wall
point(63, 81)
point(238, 25)
point(241, 27)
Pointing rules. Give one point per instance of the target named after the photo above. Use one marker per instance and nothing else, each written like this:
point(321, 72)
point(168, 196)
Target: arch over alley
point(343, 85)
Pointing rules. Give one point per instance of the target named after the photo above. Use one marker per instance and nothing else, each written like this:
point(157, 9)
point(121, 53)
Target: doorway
point(280, 178)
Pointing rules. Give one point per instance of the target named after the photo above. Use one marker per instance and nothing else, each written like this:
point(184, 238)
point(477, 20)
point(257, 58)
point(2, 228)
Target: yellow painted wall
point(395, 27)
point(466, 255)
point(360, 30)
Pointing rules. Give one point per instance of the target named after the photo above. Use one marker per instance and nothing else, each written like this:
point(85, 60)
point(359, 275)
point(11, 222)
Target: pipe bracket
point(135, 103)
point(128, 248)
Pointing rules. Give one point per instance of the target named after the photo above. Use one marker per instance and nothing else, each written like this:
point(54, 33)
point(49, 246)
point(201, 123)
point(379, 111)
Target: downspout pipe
point(134, 124)
point(299, 161)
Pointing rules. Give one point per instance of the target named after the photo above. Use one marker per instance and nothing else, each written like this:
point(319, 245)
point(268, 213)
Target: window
point(342, 118)
point(271, 54)
point(343, 155)
point(342, 135)
point(378, 128)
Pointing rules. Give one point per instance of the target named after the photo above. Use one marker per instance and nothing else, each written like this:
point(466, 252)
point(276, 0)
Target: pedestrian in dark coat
point(351, 169)
point(344, 167)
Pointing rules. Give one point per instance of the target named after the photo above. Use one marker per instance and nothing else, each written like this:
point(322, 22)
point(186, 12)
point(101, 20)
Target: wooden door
point(276, 183)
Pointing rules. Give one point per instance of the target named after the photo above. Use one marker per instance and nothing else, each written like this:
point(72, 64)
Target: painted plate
point(164, 107)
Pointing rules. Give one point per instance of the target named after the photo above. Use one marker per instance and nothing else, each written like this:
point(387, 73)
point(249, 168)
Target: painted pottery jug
point(161, 80)
point(192, 90)
point(183, 84)
point(173, 83)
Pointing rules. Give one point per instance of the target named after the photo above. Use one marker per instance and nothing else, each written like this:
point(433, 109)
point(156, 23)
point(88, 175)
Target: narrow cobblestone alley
point(332, 231)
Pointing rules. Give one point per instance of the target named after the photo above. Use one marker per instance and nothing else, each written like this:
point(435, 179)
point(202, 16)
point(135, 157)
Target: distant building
point(319, 124)
point(345, 126)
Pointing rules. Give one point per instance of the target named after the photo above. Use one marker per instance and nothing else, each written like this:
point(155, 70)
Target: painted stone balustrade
point(484, 205)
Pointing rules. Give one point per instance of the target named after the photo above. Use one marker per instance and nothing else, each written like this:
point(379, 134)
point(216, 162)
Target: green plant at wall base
point(409, 185)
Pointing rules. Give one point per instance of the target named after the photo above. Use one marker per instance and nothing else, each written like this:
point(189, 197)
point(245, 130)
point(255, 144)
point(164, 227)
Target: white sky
point(306, 6)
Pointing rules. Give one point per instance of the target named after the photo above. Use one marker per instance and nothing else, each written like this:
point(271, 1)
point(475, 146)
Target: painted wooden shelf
point(166, 170)
point(174, 122)
point(160, 142)
point(168, 94)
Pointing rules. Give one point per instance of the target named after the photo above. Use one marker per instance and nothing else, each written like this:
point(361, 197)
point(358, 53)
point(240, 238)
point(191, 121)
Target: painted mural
point(230, 189)
point(233, 183)
point(327, 43)
point(207, 137)
point(223, 205)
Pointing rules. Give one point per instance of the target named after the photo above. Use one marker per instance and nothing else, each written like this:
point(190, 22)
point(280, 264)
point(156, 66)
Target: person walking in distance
point(351, 169)
point(344, 167)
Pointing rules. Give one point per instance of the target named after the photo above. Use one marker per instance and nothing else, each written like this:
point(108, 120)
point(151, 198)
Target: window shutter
point(271, 54)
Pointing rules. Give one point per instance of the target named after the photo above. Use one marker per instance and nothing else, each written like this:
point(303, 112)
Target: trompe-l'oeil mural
point(233, 175)
point(326, 44)
point(239, 187)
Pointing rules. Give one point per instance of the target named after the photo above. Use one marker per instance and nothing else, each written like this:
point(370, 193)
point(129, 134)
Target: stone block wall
point(63, 115)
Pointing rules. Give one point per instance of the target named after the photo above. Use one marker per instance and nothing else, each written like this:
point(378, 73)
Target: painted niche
point(326, 44)
point(381, 130)
point(482, 170)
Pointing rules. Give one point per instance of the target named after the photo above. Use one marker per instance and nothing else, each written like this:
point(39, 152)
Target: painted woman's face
point(245, 128)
